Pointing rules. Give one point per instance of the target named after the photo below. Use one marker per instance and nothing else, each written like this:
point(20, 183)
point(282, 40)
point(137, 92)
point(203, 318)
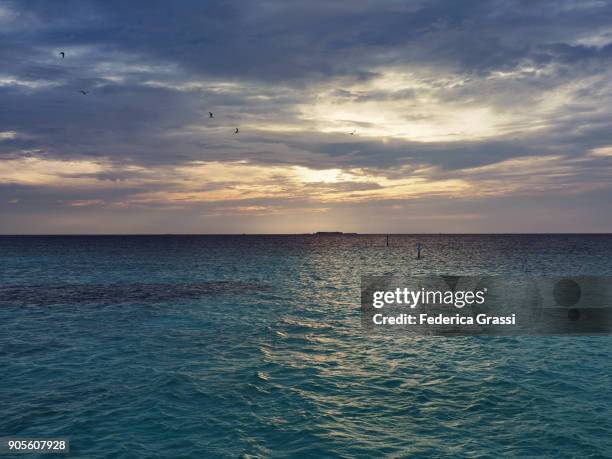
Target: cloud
point(494, 100)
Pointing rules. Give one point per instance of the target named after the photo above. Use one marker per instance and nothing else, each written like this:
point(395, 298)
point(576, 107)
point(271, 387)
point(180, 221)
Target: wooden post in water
point(387, 240)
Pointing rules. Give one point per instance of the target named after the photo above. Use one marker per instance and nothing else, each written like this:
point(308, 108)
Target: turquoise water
point(251, 346)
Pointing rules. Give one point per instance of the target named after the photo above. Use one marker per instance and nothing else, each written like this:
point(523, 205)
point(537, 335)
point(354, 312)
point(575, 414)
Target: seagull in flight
point(84, 92)
point(353, 133)
point(63, 54)
point(210, 115)
point(237, 131)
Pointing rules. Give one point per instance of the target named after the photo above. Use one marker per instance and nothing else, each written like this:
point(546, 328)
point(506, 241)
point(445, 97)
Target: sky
point(366, 116)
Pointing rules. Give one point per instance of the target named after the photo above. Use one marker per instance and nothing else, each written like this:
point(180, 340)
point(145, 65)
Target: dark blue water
point(229, 346)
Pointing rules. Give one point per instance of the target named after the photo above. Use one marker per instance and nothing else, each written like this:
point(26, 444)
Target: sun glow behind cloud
point(240, 182)
point(223, 181)
point(425, 107)
point(398, 103)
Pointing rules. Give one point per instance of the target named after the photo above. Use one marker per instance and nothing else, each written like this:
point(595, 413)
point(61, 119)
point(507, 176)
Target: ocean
point(252, 346)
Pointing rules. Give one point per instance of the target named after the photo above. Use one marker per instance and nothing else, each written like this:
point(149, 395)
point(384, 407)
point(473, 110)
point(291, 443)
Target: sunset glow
point(426, 116)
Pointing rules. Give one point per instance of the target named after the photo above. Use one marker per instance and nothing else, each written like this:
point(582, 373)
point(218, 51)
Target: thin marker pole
point(387, 240)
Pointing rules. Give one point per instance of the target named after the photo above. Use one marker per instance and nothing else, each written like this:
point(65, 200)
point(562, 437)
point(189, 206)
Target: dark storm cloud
point(274, 40)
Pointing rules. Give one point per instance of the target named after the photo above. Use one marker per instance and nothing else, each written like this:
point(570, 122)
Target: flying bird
point(237, 131)
point(353, 133)
point(62, 53)
point(84, 92)
point(210, 115)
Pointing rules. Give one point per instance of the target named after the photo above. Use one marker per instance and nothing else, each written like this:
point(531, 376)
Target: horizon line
point(324, 233)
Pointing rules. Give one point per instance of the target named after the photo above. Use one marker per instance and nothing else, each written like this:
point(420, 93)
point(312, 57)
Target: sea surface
point(252, 346)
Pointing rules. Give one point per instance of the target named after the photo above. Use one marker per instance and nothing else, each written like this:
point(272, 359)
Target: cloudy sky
point(467, 116)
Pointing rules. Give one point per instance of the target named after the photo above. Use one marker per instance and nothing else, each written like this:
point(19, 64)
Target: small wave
point(293, 322)
point(107, 294)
